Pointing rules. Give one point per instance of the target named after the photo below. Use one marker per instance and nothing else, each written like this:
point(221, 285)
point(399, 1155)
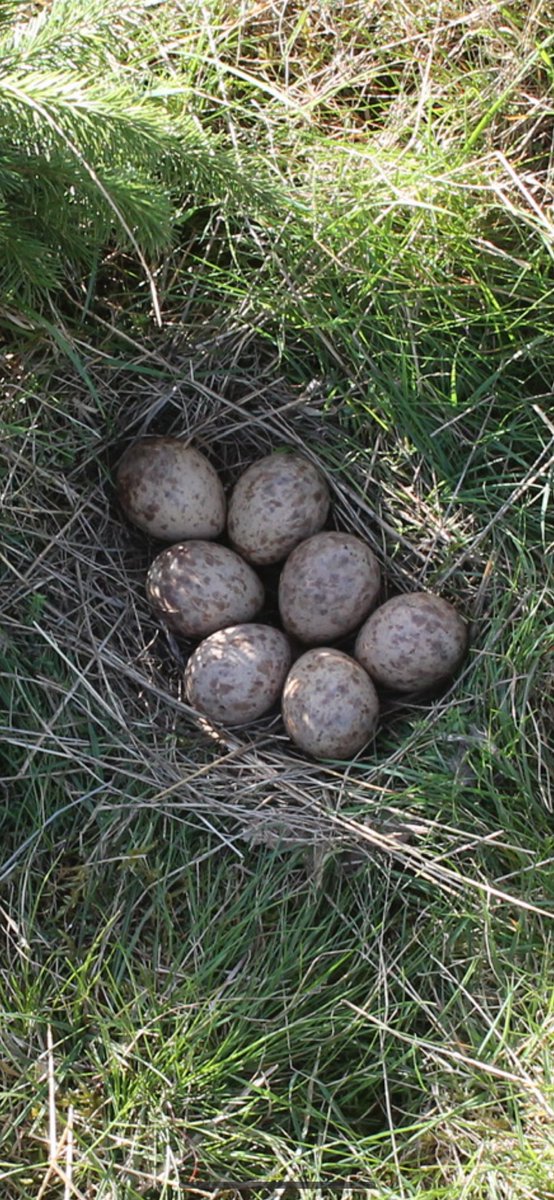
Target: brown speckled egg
point(328, 586)
point(279, 500)
point(412, 643)
point(330, 706)
point(198, 587)
point(170, 490)
point(237, 674)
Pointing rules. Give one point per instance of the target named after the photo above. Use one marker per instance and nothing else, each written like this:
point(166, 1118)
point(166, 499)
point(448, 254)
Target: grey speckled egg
point(330, 706)
point(328, 586)
point(279, 500)
point(170, 490)
point(236, 675)
point(198, 587)
point(412, 643)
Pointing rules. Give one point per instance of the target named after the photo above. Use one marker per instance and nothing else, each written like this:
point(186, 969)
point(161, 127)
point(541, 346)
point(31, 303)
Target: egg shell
point(198, 587)
point(237, 674)
point(328, 586)
point(279, 501)
point(330, 706)
point(170, 490)
point(412, 643)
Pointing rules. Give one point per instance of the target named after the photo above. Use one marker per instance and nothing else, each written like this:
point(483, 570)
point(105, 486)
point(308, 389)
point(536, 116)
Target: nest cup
point(83, 586)
point(234, 431)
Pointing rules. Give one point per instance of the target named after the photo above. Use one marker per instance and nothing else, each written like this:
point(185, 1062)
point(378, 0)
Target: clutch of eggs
point(329, 588)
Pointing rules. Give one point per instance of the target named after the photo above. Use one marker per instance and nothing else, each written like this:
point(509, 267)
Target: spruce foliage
point(95, 149)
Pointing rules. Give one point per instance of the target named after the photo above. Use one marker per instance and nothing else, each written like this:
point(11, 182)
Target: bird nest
point(111, 677)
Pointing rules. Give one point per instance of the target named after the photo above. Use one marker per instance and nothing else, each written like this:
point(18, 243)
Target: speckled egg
point(279, 500)
point(198, 587)
point(237, 674)
point(170, 490)
point(328, 586)
point(330, 706)
point(412, 643)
